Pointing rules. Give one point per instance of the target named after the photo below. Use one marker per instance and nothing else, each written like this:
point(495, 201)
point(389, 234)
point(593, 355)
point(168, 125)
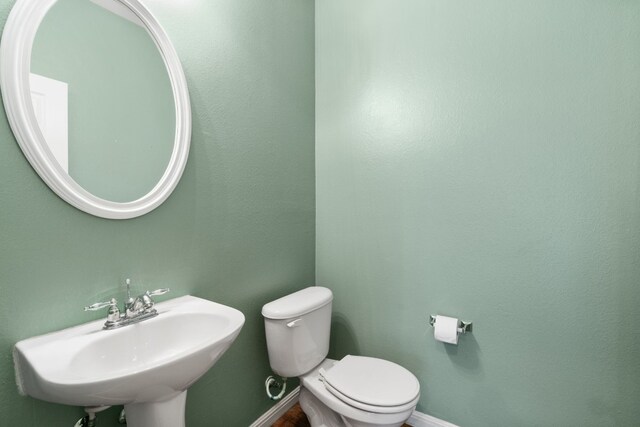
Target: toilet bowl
point(356, 391)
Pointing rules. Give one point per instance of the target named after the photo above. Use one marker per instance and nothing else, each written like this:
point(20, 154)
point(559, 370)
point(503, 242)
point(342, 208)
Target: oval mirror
point(98, 102)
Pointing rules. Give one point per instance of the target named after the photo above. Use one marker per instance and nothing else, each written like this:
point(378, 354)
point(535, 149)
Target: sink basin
point(146, 366)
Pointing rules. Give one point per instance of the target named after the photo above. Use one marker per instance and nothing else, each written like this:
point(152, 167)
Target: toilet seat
point(313, 384)
point(371, 384)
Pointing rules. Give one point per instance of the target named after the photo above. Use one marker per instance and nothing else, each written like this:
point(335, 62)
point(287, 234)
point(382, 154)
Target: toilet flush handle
point(294, 323)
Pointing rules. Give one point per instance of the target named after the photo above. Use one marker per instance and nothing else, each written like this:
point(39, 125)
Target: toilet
point(356, 391)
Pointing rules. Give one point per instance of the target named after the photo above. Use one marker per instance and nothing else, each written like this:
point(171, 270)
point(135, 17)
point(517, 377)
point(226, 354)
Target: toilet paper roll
point(445, 329)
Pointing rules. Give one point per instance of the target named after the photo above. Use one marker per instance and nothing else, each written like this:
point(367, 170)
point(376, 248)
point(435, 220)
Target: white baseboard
point(418, 419)
point(271, 416)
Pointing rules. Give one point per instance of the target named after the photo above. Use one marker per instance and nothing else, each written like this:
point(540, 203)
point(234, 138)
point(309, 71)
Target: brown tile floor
point(296, 418)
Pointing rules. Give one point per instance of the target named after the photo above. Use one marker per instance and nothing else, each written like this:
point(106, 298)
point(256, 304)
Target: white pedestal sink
point(147, 367)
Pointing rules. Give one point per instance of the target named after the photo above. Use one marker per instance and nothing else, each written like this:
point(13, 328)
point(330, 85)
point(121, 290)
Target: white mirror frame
point(15, 63)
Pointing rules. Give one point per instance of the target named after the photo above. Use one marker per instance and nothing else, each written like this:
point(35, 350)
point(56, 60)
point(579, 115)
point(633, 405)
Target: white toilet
point(355, 391)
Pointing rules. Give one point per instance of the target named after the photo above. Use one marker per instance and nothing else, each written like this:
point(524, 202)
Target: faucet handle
point(160, 291)
point(113, 315)
point(97, 306)
point(147, 302)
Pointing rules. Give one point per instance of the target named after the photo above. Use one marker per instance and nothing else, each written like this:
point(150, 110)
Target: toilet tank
point(297, 328)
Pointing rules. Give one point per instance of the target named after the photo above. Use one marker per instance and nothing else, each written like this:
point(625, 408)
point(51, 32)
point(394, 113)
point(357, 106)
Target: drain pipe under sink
point(89, 420)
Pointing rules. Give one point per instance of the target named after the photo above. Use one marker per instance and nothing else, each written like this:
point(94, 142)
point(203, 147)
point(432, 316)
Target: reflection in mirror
point(103, 98)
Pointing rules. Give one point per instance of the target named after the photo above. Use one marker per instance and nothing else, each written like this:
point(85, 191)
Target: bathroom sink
point(150, 362)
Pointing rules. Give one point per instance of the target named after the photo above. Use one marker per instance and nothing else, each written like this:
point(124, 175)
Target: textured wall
point(239, 229)
point(482, 159)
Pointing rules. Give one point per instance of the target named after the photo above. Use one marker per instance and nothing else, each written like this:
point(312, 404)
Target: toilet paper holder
point(463, 327)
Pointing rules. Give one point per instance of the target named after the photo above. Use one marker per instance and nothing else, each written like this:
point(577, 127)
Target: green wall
point(239, 228)
point(482, 160)
point(473, 159)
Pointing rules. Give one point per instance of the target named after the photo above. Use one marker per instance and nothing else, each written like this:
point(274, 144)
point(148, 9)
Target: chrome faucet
point(135, 309)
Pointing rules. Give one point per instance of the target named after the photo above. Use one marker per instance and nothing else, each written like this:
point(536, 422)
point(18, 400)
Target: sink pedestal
point(169, 413)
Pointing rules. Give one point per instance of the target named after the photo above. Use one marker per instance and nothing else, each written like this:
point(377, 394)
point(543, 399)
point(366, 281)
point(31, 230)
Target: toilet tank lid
point(297, 303)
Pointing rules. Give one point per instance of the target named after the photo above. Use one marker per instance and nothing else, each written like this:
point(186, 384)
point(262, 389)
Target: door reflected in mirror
point(103, 98)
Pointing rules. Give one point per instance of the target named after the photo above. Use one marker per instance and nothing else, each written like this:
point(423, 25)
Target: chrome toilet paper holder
point(463, 327)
